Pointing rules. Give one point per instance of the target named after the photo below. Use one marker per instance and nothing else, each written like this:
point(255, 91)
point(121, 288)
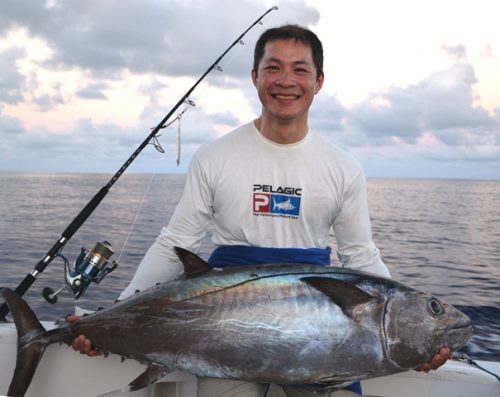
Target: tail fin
point(29, 353)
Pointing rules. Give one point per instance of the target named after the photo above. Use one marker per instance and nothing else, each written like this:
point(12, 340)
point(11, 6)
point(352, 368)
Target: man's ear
point(254, 77)
point(319, 83)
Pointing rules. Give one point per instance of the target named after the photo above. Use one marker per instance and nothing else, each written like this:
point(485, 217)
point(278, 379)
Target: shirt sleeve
point(352, 228)
point(186, 229)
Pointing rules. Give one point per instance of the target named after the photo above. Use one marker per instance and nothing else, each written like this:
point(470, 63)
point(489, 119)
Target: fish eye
point(435, 307)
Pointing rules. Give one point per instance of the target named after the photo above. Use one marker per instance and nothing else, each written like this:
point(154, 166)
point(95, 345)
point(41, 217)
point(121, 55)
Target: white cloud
point(12, 82)
point(442, 104)
point(455, 51)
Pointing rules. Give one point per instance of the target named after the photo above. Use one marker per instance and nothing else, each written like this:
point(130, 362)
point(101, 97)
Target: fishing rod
point(92, 266)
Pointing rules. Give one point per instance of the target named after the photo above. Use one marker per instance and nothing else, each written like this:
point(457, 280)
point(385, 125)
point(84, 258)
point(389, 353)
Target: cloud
point(227, 118)
point(174, 37)
point(433, 127)
point(97, 41)
point(442, 104)
point(469, 154)
point(47, 102)
point(89, 147)
point(93, 91)
point(488, 51)
point(12, 82)
point(10, 126)
point(458, 51)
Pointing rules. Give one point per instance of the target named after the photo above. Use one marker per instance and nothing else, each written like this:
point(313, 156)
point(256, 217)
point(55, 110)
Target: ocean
point(441, 236)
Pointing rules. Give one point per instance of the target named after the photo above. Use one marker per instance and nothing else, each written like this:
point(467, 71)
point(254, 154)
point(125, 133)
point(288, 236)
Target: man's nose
point(286, 79)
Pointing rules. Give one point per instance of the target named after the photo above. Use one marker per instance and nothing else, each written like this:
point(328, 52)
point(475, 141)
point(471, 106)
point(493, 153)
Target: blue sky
point(411, 89)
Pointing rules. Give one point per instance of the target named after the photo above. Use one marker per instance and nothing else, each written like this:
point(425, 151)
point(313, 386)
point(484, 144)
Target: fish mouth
point(458, 335)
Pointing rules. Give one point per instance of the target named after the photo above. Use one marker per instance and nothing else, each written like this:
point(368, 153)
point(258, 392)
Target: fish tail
point(29, 350)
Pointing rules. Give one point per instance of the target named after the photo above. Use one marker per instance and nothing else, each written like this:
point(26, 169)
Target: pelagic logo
point(280, 201)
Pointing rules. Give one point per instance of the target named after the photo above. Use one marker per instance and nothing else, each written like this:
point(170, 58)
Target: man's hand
point(82, 344)
point(443, 355)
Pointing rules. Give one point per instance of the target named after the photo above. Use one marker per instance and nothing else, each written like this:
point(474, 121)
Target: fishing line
point(465, 358)
point(178, 140)
point(139, 209)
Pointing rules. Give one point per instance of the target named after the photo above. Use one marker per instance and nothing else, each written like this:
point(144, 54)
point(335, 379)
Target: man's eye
point(301, 70)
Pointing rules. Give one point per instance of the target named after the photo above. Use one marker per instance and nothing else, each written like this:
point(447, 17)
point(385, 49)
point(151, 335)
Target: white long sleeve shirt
point(260, 193)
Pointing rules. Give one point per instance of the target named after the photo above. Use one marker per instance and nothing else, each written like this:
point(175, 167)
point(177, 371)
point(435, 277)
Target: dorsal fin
point(345, 295)
point(192, 263)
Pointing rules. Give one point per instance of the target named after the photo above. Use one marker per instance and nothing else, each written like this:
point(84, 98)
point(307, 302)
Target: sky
point(412, 89)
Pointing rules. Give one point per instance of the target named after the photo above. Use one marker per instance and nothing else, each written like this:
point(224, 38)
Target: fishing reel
point(91, 266)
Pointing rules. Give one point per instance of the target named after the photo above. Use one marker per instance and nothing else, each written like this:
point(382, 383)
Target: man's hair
point(288, 32)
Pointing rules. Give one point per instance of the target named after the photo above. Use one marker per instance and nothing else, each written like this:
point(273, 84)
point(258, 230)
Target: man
point(273, 189)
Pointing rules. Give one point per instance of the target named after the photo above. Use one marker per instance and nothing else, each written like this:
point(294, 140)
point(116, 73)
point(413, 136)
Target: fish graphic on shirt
point(284, 205)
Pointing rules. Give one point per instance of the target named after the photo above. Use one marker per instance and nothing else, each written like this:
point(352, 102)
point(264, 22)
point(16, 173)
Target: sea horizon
point(450, 178)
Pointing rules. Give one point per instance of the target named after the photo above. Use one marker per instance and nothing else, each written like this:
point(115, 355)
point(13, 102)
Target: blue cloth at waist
point(240, 255)
point(355, 388)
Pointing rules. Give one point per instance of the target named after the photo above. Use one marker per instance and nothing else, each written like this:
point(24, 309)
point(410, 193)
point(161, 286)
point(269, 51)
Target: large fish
point(315, 327)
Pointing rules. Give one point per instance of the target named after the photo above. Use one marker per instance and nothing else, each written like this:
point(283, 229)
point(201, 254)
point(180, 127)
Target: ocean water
point(442, 236)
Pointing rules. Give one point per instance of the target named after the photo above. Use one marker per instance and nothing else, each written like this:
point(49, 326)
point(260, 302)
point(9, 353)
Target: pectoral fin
point(345, 295)
point(152, 374)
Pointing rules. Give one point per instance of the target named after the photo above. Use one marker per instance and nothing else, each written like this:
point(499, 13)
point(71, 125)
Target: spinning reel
point(91, 266)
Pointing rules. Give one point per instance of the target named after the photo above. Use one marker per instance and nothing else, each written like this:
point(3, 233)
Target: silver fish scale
point(276, 317)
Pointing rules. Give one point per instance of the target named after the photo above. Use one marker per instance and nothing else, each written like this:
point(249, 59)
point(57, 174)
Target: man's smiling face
point(286, 81)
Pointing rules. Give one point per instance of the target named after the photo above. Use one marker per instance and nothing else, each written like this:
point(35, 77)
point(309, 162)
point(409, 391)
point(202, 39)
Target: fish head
point(417, 325)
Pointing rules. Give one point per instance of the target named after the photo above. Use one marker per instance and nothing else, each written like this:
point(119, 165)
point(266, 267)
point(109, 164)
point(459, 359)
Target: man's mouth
point(285, 97)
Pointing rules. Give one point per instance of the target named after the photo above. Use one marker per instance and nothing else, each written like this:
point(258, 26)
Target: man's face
point(286, 80)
